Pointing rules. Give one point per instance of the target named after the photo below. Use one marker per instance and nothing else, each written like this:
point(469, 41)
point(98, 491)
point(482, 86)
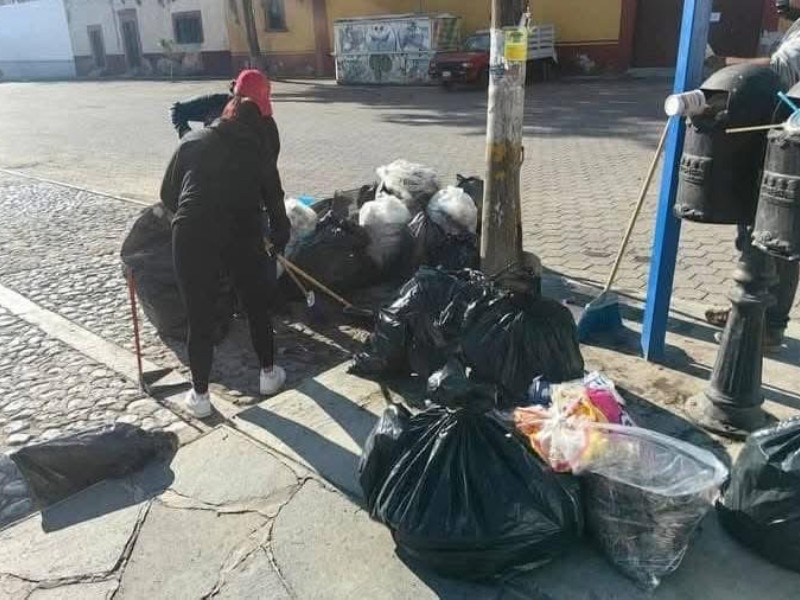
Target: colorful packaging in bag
point(555, 432)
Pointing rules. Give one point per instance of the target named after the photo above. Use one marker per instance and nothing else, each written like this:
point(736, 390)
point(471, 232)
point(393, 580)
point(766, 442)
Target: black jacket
point(222, 177)
point(204, 109)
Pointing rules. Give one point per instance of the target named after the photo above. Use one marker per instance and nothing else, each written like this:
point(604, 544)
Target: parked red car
point(468, 65)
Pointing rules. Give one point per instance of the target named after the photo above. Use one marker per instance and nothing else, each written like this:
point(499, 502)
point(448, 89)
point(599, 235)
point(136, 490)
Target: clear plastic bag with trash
point(645, 494)
point(454, 211)
point(412, 183)
point(385, 220)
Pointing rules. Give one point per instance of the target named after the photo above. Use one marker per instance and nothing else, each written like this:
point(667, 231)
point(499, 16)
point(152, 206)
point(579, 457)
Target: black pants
point(198, 265)
point(777, 316)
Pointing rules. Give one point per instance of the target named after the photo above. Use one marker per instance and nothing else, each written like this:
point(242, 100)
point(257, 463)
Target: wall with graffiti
point(391, 50)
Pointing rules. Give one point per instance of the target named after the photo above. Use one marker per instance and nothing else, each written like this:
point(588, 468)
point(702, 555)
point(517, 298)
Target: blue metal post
point(688, 76)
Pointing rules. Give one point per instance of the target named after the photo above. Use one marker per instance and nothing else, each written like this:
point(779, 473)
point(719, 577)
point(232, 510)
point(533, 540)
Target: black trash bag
point(380, 450)
point(415, 334)
point(435, 248)
point(474, 186)
point(335, 254)
point(147, 253)
point(451, 387)
point(511, 337)
point(61, 467)
point(761, 505)
point(467, 499)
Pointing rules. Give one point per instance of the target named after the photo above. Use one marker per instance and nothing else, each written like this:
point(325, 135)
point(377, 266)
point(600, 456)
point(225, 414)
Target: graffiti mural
point(385, 50)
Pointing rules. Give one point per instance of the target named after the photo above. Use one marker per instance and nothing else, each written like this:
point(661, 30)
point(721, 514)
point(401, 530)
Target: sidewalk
point(266, 505)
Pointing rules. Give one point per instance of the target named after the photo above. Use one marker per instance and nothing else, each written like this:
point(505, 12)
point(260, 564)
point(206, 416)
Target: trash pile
point(459, 493)
point(496, 475)
point(147, 256)
point(377, 233)
point(507, 337)
point(760, 506)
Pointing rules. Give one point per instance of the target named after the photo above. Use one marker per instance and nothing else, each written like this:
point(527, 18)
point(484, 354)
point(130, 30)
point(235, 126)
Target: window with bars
point(188, 27)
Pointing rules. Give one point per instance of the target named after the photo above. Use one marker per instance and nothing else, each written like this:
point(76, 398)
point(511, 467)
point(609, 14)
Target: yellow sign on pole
point(516, 44)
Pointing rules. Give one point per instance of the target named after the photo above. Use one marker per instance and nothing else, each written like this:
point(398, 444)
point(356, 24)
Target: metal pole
point(501, 239)
point(688, 76)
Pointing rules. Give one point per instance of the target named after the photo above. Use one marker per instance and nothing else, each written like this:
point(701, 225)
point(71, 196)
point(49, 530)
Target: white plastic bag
point(302, 218)
point(645, 495)
point(412, 183)
point(385, 220)
point(302, 221)
point(454, 211)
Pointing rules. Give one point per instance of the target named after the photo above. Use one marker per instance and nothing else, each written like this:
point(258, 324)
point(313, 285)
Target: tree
point(251, 31)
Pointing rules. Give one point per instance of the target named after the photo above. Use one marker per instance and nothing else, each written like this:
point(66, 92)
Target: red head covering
point(254, 86)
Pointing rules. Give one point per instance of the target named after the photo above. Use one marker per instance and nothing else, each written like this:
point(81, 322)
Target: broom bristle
point(601, 316)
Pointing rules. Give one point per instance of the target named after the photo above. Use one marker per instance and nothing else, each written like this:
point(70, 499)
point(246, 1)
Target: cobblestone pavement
point(588, 145)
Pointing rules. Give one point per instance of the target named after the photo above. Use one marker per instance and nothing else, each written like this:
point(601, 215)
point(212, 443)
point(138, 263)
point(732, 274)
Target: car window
point(477, 43)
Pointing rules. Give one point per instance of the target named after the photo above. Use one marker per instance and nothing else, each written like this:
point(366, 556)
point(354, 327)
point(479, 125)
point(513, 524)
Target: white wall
point(155, 24)
point(35, 41)
point(83, 13)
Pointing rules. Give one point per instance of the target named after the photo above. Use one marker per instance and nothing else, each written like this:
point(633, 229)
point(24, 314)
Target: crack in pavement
point(112, 574)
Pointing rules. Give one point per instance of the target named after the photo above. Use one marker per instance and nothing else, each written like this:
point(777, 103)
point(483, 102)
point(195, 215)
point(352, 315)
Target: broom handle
point(135, 318)
point(296, 280)
point(642, 195)
point(290, 266)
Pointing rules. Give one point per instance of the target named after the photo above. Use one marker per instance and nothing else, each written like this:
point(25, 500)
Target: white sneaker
point(272, 381)
point(197, 405)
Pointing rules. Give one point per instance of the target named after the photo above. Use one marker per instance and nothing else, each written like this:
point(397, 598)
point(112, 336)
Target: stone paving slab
point(88, 538)
point(179, 553)
point(322, 424)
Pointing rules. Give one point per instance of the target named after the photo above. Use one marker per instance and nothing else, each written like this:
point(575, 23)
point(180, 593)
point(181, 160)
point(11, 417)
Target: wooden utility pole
point(501, 236)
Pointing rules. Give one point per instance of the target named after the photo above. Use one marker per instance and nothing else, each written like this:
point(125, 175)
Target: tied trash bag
point(645, 495)
point(452, 387)
point(61, 467)
point(380, 450)
point(761, 505)
point(415, 333)
point(335, 254)
point(454, 211)
point(412, 183)
point(147, 253)
point(511, 337)
point(434, 247)
point(468, 500)
point(385, 220)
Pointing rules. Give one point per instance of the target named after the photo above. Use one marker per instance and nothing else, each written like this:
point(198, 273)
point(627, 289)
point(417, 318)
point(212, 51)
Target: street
point(262, 500)
point(588, 145)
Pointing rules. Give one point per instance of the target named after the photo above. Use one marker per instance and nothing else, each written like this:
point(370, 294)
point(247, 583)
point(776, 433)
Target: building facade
point(149, 37)
point(34, 41)
point(296, 36)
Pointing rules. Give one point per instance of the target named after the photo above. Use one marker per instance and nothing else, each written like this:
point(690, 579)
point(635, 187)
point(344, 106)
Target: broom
point(602, 315)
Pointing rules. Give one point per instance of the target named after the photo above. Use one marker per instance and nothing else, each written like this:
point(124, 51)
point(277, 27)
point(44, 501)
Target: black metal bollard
point(731, 405)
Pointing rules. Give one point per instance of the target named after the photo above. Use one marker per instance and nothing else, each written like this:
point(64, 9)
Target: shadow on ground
point(581, 108)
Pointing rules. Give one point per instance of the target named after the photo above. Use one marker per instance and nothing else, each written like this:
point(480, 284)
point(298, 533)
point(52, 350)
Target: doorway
point(131, 43)
point(98, 46)
point(657, 27)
